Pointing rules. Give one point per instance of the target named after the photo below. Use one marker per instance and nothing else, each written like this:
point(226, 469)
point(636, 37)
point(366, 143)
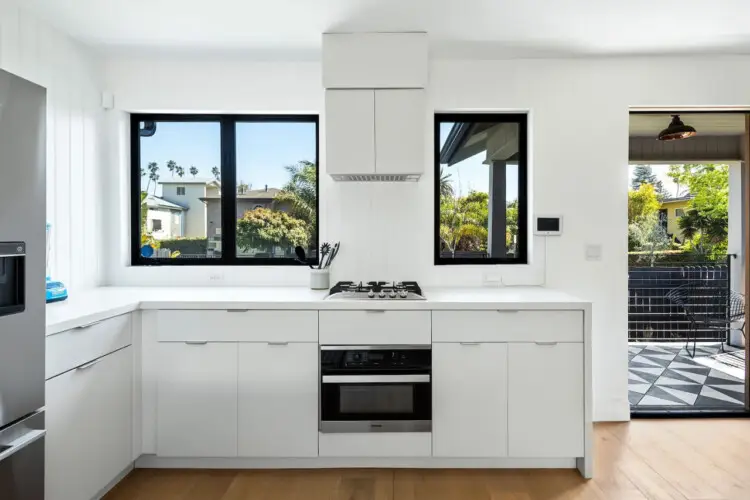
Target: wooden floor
point(645, 459)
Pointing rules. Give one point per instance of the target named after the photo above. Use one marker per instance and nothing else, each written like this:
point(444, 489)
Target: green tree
point(647, 236)
point(511, 223)
point(193, 171)
point(644, 174)
point(171, 166)
point(180, 171)
point(705, 223)
point(463, 222)
point(300, 192)
point(216, 173)
point(153, 174)
point(446, 187)
point(264, 229)
point(242, 187)
point(642, 202)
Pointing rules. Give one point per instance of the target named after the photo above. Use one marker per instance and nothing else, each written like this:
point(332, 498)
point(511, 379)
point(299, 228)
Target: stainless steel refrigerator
point(22, 287)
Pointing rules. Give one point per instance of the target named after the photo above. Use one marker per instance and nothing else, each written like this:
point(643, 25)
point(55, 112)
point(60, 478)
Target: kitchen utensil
point(333, 254)
point(325, 249)
point(302, 257)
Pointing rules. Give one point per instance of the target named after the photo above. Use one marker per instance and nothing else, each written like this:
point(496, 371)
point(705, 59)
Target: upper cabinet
point(376, 134)
point(375, 60)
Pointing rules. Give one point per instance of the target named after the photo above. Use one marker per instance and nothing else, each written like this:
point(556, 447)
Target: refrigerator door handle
point(20, 443)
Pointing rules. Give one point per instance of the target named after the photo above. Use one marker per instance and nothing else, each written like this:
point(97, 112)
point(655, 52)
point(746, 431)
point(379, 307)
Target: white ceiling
point(704, 123)
point(465, 28)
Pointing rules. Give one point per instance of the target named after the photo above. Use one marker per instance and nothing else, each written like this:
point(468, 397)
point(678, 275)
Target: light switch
point(593, 252)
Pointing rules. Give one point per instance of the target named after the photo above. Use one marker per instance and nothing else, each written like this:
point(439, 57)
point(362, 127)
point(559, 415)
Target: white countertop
point(101, 303)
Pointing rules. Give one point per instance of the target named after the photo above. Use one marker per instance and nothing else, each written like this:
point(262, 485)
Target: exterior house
point(669, 213)
point(189, 193)
point(164, 219)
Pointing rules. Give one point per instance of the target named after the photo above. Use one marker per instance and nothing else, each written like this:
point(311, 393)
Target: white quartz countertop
point(101, 303)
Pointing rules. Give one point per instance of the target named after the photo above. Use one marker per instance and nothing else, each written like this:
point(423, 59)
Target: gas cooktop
point(376, 290)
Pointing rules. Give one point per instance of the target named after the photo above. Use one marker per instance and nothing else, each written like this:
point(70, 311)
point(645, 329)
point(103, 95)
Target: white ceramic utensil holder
point(319, 279)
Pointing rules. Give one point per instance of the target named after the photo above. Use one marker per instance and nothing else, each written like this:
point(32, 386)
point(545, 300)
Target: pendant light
point(676, 130)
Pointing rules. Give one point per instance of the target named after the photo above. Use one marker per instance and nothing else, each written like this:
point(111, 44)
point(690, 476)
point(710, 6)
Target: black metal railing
point(653, 316)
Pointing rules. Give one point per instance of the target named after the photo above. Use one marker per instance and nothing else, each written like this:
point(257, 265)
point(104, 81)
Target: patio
point(662, 376)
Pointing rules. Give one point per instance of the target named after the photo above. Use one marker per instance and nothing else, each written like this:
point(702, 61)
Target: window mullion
point(228, 191)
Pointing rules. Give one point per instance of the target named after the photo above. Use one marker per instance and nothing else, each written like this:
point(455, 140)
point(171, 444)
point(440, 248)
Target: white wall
point(579, 156)
point(33, 50)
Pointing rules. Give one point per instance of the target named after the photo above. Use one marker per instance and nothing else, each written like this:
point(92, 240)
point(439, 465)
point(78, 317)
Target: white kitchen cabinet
point(197, 399)
point(470, 400)
point(278, 400)
point(400, 131)
point(89, 426)
point(546, 400)
point(350, 131)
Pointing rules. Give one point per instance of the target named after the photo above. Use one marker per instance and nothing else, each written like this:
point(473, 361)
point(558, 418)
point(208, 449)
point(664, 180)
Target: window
point(231, 178)
point(679, 212)
point(480, 188)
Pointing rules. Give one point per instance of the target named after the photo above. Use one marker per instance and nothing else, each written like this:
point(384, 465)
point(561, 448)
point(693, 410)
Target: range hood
point(375, 177)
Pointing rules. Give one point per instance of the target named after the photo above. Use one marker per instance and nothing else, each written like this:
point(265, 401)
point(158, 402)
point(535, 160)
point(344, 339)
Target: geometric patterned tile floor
point(663, 376)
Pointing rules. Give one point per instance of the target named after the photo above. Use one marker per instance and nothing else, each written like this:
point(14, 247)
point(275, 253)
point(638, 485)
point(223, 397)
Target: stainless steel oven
point(375, 389)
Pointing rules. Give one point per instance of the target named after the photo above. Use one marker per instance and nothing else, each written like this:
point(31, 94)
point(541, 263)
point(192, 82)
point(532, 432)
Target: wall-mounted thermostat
point(548, 225)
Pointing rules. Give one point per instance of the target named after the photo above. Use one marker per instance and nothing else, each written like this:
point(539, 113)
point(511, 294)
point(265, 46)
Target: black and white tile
point(663, 376)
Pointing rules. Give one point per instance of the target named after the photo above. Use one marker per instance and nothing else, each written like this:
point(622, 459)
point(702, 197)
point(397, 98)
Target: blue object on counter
point(56, 291)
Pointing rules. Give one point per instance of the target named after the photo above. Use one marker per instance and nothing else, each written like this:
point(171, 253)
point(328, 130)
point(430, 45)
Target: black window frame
point(228, 132)
point(523, 187)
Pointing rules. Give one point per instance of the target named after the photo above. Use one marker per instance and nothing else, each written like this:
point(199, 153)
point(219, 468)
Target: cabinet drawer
point(374, 327)
point(507, 326)
point(237, 326)
point(71, 348)
point(376, 444)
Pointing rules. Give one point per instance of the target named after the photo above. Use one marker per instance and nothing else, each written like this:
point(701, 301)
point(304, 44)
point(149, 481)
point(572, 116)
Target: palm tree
point(216, 173)
point(180, 171)
point(193, 171)
point(461, 221)
point(171, 165)
point(153, 174)
point(446, 187)
point(301, 193)
point(705, 230)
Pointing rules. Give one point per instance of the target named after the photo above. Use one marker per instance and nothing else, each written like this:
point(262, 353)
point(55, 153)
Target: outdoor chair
point(708, 307)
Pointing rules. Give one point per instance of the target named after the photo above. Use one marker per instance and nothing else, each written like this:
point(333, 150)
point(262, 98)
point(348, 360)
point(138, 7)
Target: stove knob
point(381, 295)
point(403, 294)
point(371, 294)
point(392, 294)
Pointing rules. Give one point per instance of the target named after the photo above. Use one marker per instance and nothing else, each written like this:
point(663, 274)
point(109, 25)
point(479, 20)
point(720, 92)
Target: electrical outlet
point(593, 252)
point(216, 277)
point(492, 279)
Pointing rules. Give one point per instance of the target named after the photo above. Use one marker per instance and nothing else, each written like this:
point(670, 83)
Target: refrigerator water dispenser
point(12, 277)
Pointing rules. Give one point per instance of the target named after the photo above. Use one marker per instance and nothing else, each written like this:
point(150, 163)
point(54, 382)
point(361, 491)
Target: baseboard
point(611, 410)
point(154, 462)
point(114, 482)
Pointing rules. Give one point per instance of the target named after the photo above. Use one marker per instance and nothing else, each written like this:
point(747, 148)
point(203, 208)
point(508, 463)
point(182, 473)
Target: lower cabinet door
point(469, 389)
point(545, 400)
point(89, 427)
point(197, 400)
point(278, 400)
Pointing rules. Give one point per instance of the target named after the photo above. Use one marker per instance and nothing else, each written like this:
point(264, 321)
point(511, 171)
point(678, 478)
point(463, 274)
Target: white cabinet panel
point(470, 405)
point(350, 132)
point(89, 427)
point(545, 400)
point(278, 400)
point(197, 400)
point(374, 327)
point(376, 444)
point(400, 131)
point(507, 326)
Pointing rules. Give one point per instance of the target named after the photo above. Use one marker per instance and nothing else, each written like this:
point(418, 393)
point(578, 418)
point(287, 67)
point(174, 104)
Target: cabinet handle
point(277, 344)
point(237, 310)
point(88, 325)
point(196, 342)
point(469, 343)
point(88, 365)
point(508, 311)
point(545, 343)
point(374, 311)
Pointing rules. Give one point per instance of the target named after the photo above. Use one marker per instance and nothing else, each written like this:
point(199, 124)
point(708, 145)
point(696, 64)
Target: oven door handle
point(375, 379)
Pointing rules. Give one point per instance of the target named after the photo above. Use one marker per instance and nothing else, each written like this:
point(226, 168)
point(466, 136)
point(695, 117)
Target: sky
point(263, 149)
point(473, 175)
point(661, 174)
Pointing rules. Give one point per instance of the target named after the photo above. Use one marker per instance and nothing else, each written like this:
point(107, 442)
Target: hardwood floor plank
point(641, 460)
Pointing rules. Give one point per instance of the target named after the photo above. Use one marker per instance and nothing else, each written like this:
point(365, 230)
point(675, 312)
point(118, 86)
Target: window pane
point(180, 189)
point(277, 189)
point(479, 187)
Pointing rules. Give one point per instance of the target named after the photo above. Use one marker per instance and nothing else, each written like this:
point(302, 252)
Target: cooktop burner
point(377, 290)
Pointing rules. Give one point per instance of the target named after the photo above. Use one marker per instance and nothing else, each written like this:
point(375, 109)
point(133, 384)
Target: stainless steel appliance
point(376, 290)
point(375, 389)
point(22, 280)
